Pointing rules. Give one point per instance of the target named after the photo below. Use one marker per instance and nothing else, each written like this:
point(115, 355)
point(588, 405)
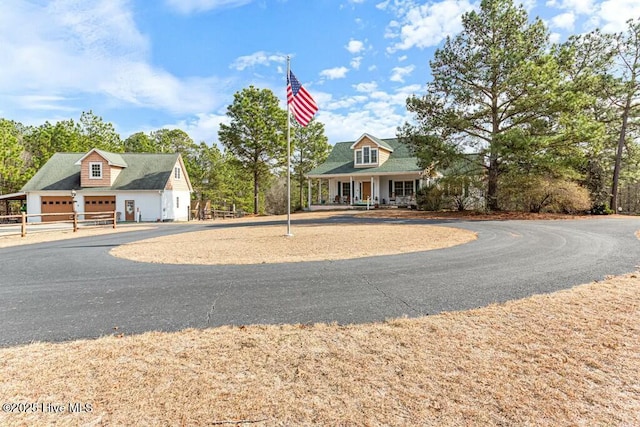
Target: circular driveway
point(74, 289)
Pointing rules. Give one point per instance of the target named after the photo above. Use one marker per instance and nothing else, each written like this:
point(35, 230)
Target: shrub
point(430, 198)
point(601, 209)
point(542, 194)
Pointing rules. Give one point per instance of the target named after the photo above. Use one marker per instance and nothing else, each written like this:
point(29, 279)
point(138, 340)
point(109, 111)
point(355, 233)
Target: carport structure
point(5, 200)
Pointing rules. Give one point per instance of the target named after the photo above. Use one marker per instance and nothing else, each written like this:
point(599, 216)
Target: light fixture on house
point(73, 194)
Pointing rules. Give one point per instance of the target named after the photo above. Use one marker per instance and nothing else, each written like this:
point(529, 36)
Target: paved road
point(73, 289)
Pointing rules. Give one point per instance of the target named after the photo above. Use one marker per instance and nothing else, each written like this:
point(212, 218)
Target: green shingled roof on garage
point(144, 171)
point(340, 161)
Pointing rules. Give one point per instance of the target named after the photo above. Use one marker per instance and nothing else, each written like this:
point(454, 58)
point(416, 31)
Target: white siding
point(173, 212)
point(153, 205)
point(146, 202)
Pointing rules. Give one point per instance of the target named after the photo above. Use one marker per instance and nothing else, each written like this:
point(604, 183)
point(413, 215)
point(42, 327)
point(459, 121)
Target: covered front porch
point(353, 191)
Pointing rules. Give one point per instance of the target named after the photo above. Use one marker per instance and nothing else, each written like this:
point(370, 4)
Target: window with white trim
point(366, 156)
point(346, 189)
point(95, 170)
point(403, 188)
point(176, 172)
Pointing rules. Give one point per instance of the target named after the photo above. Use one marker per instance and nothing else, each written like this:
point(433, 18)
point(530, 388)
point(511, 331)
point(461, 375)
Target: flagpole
point(289, 234)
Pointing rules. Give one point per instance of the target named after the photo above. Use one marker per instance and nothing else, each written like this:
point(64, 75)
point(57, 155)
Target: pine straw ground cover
point(568, 358)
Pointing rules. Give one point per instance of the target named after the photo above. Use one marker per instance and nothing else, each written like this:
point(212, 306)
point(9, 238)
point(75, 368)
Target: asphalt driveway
point(73, 289)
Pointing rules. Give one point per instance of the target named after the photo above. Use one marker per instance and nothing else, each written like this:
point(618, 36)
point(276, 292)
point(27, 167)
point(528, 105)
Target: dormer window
point(366, 156)
point(95, 170)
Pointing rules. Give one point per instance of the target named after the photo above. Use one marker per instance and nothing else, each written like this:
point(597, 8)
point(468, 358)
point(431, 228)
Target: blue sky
point(148, 64)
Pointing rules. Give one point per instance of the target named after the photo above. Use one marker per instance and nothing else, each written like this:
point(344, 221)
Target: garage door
point(56, 204)
point(99, 204)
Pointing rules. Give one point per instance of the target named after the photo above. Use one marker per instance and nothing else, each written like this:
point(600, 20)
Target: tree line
point(533, 125)
point(245, 173)
point(543, 123)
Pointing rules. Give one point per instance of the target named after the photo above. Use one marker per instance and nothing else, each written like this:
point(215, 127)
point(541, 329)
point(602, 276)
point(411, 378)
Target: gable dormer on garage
point(99, 168)
point(369, 152)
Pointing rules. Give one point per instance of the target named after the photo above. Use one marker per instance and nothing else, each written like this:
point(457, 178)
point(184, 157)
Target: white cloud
point(346, 102)
point(366, 87)
point(80, 49)
point(258, 58)
point(376, 113)
point(354, 46)
point(426, 25)
point(42, 102)
point(335, 73)
point(555, 37)
point(202, 127)
point(347, 127)
point(191, 6)
point(399, 73)
point(614, 14)
point(355, 62)
point(583, 7)
point(383, 5)
point(564, 21)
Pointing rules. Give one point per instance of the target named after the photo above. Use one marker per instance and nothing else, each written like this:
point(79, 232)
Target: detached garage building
point(139, 186)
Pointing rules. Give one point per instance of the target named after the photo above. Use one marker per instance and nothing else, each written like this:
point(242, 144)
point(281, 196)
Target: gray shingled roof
point(340, 161)
point(144, 171)
point(114, 159)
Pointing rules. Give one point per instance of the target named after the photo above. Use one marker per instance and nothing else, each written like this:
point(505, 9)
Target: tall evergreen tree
point(255, 134)
point(310, 148)
point(487, 94)
point(14, 171)
point(627, 74)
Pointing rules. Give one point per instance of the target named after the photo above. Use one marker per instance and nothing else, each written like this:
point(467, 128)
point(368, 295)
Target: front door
point(366, 191)
point(129, 210)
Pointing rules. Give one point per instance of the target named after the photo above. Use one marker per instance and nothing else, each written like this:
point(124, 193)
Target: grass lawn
point(568, 358)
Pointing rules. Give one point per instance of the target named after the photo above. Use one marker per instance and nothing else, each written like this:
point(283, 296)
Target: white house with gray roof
point(380, 171)
point(139, 186)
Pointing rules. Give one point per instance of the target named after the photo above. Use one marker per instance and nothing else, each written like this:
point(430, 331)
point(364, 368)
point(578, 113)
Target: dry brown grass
point(40, 236)
point(267, 244)
point(470, 215)
point(568, 358)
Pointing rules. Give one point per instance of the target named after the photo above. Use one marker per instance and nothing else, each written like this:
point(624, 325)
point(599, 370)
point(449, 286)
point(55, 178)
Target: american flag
point(304, 107)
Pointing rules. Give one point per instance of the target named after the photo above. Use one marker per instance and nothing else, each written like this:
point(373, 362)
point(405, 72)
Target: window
point(95, 170)
point(177, 202)
point(176, 172)
point(346, 189)
point(366, 156)
point(403, 188)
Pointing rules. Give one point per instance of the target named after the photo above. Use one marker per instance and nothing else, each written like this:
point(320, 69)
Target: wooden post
point(23, 228)
point(75, 222)
point(114, 220)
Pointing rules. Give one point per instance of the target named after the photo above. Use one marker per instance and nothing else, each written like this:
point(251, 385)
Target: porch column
point(309, 193)
point(373, 192)
point(352, 190)
point(319, 191)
